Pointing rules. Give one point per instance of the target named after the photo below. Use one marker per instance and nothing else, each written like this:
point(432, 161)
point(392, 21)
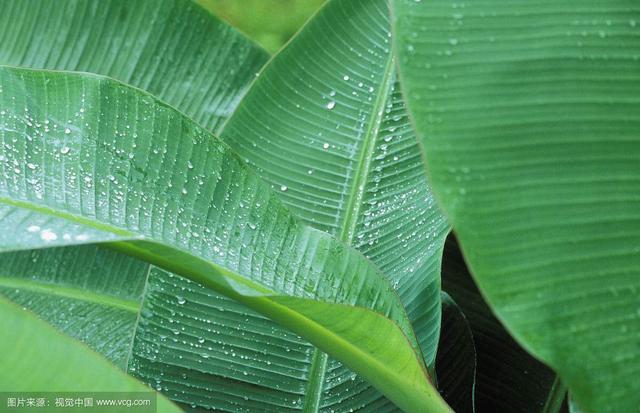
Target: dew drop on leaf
point(48, 235)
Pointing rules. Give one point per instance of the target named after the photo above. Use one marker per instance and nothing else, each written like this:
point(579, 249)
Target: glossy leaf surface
point(270, 382)
point(325, 124)
point(61, 286)
point(528, 114)
point(133, 173)
point(171, 48)
point(39, 357)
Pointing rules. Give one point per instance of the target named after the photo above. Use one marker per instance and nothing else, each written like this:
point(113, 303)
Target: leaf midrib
point(93, 223)
point(64, 291)
point(358, 186)
point(355, 196)
point(126, 243)
point(134, 331)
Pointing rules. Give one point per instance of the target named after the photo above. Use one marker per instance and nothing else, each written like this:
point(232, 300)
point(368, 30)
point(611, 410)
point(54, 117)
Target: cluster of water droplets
point(185, 327)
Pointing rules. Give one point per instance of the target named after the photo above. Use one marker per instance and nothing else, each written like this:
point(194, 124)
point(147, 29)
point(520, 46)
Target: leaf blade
point(544, 204)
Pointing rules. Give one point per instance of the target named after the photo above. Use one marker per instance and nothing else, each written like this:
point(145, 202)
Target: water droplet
point(67, 131)
point(283, 188)
point(181, 300)
point(345, 77)
point(48, 235)
point(453, 41)
point(331, 105)
point(33, 228)
point(65, 150)
point(325, 146)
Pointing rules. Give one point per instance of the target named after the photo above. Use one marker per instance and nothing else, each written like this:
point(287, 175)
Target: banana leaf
point(325, 124)
point(87, 159)
point(528, 114)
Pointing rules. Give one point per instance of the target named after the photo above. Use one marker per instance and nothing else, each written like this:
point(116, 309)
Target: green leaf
point(456, 361)
point(61, 286)
point(39, 357)
point(326, 126)
point(88, 159)
point(171, 48)
point(508, 379)
point(528, 113)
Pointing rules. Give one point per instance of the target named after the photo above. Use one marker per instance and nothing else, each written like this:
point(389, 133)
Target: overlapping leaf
point(456, 361)
point(508, 378)
point(61, 286)
point(325, 124)
point(87, 159)
point(171, 48)
point(39, 357)
point(528, 113)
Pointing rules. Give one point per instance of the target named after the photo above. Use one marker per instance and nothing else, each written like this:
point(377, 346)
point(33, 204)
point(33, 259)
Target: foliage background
point(269, 22)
